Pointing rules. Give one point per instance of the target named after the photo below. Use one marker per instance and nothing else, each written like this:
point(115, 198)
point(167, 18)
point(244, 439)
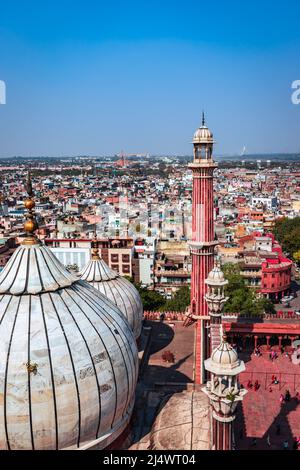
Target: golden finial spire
point(30, 224)
point(223, 334)
point(95, 250)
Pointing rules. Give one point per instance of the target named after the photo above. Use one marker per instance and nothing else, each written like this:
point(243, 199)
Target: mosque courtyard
point(261, 414)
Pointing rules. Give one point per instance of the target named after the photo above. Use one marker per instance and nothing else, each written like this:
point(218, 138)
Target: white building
point(73, 256)
point(270, 203)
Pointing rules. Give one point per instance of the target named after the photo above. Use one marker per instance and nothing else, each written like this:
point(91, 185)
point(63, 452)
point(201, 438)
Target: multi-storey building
point(264, 266)
point(172, 266)
point(117, 253)
point(143, 261)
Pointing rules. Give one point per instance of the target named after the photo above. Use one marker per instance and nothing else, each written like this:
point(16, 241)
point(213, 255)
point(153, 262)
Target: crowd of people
point(274, 353)
point(285, 442)
point(274, 381)
point(254, 386)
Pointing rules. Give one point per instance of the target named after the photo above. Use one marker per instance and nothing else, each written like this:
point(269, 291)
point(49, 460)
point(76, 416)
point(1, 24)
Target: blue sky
point(93, 77)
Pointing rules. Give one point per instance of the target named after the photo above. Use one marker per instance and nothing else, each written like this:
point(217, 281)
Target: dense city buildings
point(133, 211)
point(195, 244)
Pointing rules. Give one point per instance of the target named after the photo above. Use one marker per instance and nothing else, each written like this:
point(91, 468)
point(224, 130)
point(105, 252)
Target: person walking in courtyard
point(285, 444)
point(257, 351)
point(249, 384)
point(274, 355)
point(287, 395)
point(281, 398)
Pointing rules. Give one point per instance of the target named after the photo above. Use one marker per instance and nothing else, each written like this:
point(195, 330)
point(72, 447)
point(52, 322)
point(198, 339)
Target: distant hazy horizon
point(288, 157)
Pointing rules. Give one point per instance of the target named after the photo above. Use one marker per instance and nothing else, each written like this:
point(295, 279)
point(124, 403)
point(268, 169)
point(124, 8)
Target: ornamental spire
point(95, 248)
point(203, 119)
point(30, 225)
point(223, 335)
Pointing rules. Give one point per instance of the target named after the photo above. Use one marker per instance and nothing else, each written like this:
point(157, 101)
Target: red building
point(276, 277)
point(264, 267)
point(122, 162)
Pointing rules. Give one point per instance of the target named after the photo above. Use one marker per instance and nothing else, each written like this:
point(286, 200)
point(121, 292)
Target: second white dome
point(117, 289)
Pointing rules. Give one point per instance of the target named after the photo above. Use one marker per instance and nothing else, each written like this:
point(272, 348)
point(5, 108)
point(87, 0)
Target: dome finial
point(203, 119)
point(30, 224)
point(95, 244)
point(223, 335)
point(29, 184)
point(95, 248)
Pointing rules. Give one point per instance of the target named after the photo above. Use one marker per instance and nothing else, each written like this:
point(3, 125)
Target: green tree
point(296, 256)
point(287, 232)
point(180, 300)
point(264, 305)
point(243, 299)
point(151, 299)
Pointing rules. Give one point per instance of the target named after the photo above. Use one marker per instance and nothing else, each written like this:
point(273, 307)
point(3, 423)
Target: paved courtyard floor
point(262, 414)
point(160, 379)
point(177, 339)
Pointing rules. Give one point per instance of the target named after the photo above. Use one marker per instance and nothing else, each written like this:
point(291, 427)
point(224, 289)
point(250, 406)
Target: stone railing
point(286, 315)
point(251, 274)
point(172, 273)
point(180, 316)
point(168, 316)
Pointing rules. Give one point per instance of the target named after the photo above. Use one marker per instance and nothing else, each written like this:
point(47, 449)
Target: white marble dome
point(117, 289)
point(216, 277)
point(183, 422)
point(203, 136)
point(224, 355)
point(68, 358)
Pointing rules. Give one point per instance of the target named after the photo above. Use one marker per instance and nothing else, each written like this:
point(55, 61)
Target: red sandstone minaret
point(203, 241)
